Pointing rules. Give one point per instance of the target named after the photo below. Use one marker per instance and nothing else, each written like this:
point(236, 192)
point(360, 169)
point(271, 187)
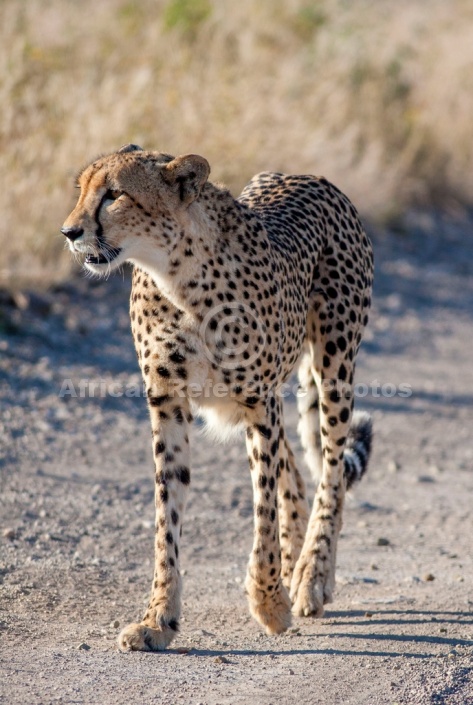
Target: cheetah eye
point(113, 195)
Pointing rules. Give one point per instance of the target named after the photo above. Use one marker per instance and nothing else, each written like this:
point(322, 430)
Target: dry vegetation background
point(376, 95)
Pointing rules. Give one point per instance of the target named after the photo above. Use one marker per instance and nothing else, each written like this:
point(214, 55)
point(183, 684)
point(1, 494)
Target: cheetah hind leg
point(345, 452)
point(293, 510)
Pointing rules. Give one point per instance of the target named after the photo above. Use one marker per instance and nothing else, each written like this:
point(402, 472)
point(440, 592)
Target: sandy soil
point(77, 511)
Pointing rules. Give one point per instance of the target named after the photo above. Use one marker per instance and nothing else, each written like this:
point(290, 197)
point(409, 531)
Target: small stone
point(291, 672)
point(368, 614)
point(393, 466)
point(115, 624)
point(9, 533)
point(412, 579)
point(443, 630)
point(204, 632)
point(382, 542)
point(20, 300)
point(84, 647)
point(374, 566)
point(221, 659)
point(428, 577)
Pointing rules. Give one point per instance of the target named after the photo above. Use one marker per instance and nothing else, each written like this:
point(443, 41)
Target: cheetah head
point(132, 206)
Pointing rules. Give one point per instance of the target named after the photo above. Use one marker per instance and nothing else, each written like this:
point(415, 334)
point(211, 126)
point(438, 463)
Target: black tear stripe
point(99, 230)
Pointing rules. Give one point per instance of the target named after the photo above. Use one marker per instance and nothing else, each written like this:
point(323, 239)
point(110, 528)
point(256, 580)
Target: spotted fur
point(228, 298)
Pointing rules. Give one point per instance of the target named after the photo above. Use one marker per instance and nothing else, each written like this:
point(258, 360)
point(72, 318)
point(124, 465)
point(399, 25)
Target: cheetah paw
point(271, 609)
point(308, 596)
point(140, 637)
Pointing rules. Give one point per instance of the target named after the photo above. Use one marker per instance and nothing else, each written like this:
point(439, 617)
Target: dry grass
point(378, 96)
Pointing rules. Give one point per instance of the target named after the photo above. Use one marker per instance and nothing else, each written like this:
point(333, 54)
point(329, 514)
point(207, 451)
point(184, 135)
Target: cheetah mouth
point(103, 257)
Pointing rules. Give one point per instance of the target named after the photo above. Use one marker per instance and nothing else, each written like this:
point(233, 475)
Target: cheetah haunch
point(228, 297)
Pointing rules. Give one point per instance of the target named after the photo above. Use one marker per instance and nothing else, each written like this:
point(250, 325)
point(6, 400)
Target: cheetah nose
point(72, 233)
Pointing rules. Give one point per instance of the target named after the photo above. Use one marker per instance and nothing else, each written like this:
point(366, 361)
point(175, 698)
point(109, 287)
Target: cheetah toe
point(140, 637)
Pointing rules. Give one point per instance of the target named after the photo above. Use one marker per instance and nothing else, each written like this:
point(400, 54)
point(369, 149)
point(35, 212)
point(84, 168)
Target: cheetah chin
point(107, 257)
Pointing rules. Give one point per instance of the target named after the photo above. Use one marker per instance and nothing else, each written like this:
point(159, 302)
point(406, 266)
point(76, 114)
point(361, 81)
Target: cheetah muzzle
point(230, 296)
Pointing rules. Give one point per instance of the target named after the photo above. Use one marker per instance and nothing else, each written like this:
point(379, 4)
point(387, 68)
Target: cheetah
point(229, 296)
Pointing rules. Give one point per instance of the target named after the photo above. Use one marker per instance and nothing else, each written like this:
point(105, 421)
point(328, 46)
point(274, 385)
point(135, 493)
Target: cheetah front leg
point(170, 420)
point(268, 599)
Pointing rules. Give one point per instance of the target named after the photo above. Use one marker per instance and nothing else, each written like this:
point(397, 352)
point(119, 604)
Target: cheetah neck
point(185, 272)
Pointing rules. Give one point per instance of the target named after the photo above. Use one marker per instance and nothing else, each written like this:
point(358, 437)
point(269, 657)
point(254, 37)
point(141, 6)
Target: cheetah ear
point(186, 176)
point(129, 148)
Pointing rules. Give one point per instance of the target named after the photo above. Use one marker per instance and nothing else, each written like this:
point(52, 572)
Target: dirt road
point(77, 511)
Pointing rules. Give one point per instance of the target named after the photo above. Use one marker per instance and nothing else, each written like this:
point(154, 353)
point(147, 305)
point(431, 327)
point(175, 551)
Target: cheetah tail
point(358, 447)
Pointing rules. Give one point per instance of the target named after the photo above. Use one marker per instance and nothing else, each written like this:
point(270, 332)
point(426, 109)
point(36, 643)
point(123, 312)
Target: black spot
point(334, 396)
point(177, 357)
point(158, 401)
point(183, 474)
point(178, 415)
point(164, 495)
point(342, 343)
point(251, 401)
point(331, 348)
point(264, 430)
